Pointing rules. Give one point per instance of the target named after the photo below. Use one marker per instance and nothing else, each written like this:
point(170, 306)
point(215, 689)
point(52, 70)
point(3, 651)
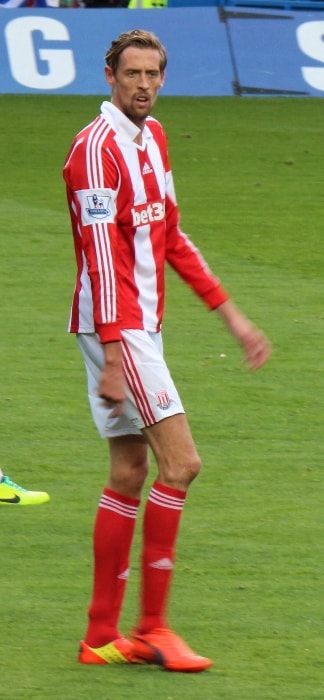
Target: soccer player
point(13, 494)
point(117, 309)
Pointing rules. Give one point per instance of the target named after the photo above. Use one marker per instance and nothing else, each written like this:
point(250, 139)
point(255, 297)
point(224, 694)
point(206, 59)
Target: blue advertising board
point(62, 51)
point(211, 51)
point(286, 52)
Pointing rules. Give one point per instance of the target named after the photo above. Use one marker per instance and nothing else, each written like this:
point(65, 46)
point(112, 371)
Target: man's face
point(136, 83)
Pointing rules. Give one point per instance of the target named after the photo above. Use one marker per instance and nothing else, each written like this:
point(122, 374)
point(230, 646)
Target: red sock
point(160, 528)
point(113, 534)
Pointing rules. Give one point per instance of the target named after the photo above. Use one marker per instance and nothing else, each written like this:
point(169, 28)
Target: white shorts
point(150, 391)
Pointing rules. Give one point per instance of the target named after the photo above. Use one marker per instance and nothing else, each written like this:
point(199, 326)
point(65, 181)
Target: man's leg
point(113, 534)
point(178, 464)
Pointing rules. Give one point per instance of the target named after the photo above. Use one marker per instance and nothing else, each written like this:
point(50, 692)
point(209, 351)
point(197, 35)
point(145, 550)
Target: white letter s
point(310, 38)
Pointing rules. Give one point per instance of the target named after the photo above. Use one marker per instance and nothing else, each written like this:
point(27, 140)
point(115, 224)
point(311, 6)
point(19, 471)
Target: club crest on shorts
point(98, 206)
point(163, 400)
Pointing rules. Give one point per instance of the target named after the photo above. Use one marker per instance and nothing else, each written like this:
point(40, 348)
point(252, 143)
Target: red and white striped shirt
point(125, 225)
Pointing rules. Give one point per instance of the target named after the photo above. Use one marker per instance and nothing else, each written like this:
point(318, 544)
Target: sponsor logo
point(14, 499)
point(146, 169)
point(163, 564)
point(124, 575)
point(98, 206)
point(163, 400)
point(146, 214)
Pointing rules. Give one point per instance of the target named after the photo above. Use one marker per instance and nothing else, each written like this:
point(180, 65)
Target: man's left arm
point(188, 262)
point(255, 344)
point(185, 258)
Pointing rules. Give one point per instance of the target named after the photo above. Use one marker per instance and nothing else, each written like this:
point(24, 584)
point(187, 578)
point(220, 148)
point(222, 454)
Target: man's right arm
point(112, 382)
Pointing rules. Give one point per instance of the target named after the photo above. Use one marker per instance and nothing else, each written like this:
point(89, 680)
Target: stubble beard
point(136, 116)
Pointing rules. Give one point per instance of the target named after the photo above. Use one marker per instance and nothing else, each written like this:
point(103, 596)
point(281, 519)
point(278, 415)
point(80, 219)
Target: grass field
point(248, 588)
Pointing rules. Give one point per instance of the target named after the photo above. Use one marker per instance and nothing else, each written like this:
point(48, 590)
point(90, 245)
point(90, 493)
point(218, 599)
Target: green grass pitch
point(248, 586)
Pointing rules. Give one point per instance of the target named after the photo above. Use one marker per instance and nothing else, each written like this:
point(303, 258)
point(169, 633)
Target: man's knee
point(194, 468)
point(129, 465)
point(128, 478)
point(175, 451)
point(179, 473)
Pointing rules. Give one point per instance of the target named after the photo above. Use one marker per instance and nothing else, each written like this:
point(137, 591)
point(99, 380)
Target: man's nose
point(143, 80)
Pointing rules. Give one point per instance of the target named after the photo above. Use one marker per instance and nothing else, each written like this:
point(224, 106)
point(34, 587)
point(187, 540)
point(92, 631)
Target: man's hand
point(257, 348)
point(112, 381)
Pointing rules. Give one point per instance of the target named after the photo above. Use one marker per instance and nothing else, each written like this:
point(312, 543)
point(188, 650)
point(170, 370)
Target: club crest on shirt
point(163, 400)
point(98, 206)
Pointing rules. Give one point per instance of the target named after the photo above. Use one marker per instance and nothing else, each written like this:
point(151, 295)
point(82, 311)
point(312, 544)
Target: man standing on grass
point(121, 248)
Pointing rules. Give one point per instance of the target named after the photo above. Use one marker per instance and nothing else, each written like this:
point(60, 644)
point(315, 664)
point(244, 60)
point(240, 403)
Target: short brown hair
point(136, 37)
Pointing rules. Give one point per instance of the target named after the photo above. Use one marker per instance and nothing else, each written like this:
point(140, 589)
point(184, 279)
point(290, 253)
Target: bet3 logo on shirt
point(147, 214)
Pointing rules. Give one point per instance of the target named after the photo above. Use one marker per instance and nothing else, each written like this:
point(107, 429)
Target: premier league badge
point(98, 206)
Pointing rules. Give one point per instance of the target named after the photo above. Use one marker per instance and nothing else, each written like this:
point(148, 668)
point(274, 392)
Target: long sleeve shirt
point(125, 223)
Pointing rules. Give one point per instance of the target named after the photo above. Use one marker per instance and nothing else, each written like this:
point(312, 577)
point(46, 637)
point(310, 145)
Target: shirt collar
point(120, 123)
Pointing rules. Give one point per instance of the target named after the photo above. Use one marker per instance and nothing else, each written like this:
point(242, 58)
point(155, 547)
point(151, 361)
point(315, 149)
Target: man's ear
point(109, 76)
point(162, 79)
